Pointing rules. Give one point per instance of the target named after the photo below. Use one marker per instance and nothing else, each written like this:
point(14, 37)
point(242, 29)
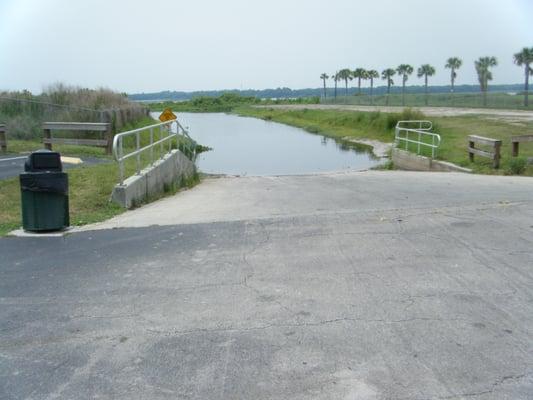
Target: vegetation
point(380, 126)
point(90, 186)
point(465, 100)
point(517, 166)
point(453, 63)
point(387, 75)
point(484, 75)
point(336, 79)
point(359, 73)
point(324, 77)
point(482, 65)
point(345, 75)
point(285, 94)
point(425, 71)
point(225, 103)
point(404, 70)
point(23, 112)
point(372, 74)
point(525, 58)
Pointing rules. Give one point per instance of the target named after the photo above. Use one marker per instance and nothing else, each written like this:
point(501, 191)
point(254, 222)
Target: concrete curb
point(412, 162)
point(152, 180)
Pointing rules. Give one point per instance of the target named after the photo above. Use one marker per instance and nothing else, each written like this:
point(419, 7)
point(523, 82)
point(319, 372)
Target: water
point(250, 146)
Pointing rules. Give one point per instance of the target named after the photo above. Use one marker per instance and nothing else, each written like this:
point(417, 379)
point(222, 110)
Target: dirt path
point(506, 115)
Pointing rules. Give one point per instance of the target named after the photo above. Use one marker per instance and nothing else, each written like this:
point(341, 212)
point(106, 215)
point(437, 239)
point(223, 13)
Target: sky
point(146, 46)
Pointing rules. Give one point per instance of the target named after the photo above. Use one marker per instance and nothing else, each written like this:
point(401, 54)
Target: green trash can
point(44, 193)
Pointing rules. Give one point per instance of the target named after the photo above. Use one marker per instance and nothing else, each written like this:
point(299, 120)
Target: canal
point(250, 146)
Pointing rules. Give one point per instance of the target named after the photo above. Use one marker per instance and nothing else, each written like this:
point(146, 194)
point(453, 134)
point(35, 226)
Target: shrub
point(23, 127)
point(517, 166)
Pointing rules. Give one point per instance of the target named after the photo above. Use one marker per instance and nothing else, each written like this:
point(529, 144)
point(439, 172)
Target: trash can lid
point(43, 160)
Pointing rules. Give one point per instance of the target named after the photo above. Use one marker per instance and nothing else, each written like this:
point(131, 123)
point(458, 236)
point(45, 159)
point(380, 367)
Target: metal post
point(160, 142)
point(406, 140)
point(121, 161)
point(419, 138)
point(151, 146)
point(169, 137)
point(137, 147)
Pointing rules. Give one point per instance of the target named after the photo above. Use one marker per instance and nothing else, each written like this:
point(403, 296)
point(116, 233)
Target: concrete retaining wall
point(412, 162)
point(173, 168)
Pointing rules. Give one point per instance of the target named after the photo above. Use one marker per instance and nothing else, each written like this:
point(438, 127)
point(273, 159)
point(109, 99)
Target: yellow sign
point(167, 115)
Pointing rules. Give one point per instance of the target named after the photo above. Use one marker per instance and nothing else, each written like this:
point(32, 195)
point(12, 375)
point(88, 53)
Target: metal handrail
point(118, 144)
point(423, 125)
point(422, 130)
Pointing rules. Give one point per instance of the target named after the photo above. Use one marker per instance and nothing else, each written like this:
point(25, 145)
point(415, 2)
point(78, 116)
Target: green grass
point(380, 126)
point(224, 103)
point(463, 100)
point(90, 187)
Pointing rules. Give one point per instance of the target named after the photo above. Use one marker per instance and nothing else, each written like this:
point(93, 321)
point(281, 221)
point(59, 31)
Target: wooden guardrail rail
point(3, 138)
point(516, 140)
point(495, 154)
point(107, 143)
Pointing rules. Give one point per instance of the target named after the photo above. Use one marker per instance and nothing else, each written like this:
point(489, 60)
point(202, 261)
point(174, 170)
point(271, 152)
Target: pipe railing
point(157, 132)
point(419, 129)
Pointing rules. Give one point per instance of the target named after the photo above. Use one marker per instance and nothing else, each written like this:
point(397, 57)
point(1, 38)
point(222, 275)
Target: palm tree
point(372, 74)
point(525, 57)
point(324, 76)
point(387, 75)
point(484, 75)
point(335, 78)
point(453, 63)
point(359, 73)
point(425, 71)
point(345, 75)
point(404, 70)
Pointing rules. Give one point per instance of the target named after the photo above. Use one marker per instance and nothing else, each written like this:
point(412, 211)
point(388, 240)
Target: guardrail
point(419, 129)
point(164, 143)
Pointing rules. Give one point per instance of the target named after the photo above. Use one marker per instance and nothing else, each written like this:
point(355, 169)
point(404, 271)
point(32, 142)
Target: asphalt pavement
point(372, 285)
point(12, 165)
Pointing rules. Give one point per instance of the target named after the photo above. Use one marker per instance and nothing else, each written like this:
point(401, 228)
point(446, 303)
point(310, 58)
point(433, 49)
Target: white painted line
point(13, 158)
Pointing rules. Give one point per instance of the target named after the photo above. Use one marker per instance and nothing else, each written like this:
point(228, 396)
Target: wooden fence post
point(3, 138)
point(516, 140)
point(471, 144)
point(109, 133)
point(47, 135)
point(497, 154)
point(515, 149)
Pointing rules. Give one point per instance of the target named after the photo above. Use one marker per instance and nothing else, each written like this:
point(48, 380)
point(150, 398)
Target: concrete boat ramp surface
point(359, 285)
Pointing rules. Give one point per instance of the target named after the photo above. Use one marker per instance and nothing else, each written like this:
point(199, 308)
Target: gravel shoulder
point(504, 115)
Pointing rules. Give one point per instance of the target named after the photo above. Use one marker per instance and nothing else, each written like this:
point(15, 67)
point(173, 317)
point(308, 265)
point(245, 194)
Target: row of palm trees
point(483, 65)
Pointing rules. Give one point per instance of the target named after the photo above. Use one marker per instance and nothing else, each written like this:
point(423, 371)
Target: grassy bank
point(224, 103)
point(380, 126)
point(464, 100)
point(90, 187)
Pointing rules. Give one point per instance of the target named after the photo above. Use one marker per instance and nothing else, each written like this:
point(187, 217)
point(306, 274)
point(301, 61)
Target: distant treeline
point(288, 93)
